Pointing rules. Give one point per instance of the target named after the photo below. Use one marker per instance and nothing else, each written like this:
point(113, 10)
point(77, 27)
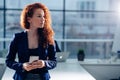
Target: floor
point(69, 70)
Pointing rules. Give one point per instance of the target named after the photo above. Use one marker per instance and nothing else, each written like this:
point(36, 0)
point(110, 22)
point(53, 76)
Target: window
point(88, 7)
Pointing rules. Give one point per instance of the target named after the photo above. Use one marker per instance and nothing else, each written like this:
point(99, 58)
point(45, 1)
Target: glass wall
point(78, 24)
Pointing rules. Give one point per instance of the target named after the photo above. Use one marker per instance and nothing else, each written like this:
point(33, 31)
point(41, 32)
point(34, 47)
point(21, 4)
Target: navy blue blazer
point(19, 47)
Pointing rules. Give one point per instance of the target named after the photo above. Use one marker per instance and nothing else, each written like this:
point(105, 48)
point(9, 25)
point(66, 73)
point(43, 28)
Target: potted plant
point(80, 55)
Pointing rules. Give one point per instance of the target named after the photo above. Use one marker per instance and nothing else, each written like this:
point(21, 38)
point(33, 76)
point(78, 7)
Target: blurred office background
point(87, 25)
point(78, 24)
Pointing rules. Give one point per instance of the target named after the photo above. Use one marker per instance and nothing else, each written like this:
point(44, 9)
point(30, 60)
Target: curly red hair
point(28, 11)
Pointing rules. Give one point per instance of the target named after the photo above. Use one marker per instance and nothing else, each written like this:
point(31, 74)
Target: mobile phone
point(33, 58)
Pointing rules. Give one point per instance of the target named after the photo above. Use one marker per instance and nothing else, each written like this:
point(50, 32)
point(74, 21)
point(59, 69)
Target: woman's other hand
point(38, 64)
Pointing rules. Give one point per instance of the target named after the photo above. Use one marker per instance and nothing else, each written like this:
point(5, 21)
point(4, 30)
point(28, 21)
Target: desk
point(102, 69)
point(69, 70)
point(2, 67)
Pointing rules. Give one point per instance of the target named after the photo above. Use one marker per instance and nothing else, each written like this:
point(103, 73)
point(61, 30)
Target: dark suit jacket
point(57, 47)
point(19, 46)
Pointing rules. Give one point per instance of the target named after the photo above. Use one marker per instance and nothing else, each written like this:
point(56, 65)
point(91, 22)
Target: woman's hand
point(38, 64)
point(34, 65)
point(27, 66)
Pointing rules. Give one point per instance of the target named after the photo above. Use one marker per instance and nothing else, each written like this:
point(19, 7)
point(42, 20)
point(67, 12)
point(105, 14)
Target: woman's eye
point(39, 16)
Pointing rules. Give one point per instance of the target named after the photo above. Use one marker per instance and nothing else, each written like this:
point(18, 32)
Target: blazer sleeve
point(10, 58)
point(57, 47)
point(51, 62)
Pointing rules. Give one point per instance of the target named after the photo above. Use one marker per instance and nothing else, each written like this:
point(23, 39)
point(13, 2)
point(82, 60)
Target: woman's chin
point(40, 27)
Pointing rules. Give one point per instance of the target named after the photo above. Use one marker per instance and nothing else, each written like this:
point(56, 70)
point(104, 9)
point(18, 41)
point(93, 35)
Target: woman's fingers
point(38, 63)
point(34, 65)
point(27, 66)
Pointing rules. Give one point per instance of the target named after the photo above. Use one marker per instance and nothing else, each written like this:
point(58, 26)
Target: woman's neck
point(32, 32)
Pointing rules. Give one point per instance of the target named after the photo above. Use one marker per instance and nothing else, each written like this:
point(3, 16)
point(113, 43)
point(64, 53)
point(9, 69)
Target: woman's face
point(37, 20)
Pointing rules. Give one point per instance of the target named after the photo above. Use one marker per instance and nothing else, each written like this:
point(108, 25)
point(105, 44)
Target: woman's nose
point(43, 19)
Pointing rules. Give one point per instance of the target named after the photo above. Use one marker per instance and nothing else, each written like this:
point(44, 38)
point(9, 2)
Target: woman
point(34, 47)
